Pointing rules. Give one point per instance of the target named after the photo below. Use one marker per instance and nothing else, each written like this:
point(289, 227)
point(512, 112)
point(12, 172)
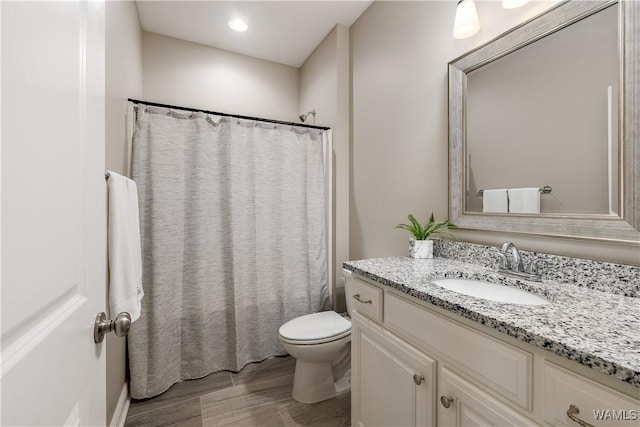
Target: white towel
point(495, 200)
point(524, 200)
point(125, 256)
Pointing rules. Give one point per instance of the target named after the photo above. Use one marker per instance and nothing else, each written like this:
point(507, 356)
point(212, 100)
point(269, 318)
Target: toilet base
point(313, 382)
point(343, 385)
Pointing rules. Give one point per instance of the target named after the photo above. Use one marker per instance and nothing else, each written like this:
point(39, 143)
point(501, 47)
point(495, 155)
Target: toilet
point(317, 341)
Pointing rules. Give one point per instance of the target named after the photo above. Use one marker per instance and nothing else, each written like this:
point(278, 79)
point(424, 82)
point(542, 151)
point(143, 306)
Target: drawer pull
point(357, 298)
point(571, 413)
point(418, 379)
point(446, 401)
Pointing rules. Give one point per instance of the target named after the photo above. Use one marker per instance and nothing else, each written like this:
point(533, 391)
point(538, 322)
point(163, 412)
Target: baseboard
point(120, 414)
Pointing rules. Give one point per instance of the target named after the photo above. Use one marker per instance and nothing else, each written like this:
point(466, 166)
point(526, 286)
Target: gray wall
point(400, 52)
point(123, 80)
point(324, 86)
point(192, 75)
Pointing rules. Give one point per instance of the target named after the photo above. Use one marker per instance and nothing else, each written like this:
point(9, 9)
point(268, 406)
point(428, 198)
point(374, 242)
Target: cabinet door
point(393, 384)
point(469, 405)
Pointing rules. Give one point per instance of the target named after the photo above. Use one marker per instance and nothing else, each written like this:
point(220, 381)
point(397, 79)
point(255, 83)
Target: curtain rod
point(259, 119)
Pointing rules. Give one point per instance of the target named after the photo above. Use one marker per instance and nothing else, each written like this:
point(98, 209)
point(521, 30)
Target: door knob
point(103, 326)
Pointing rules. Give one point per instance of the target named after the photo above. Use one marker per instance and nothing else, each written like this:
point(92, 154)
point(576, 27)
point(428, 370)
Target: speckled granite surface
point(602, 276)
point(595, 328)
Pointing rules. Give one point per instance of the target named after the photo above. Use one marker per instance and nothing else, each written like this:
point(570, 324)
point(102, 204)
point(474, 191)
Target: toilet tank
point(348, 288)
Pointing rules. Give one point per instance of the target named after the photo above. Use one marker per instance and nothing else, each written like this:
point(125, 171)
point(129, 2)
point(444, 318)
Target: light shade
point(466, 23)
point(238, 24)
point(512, 4)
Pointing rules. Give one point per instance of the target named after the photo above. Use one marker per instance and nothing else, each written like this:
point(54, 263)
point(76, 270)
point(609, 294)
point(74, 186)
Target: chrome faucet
point(512, 264)
point(516, 260)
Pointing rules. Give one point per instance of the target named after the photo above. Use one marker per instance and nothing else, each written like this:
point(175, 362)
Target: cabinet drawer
point(367, 299)
point(597, 404)
point(502, 367)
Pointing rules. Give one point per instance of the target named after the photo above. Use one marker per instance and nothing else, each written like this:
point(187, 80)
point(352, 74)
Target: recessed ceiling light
point(512, 4)
point(238, 24)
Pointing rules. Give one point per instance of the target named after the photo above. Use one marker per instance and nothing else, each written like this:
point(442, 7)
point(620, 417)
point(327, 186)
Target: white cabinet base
point(492, 380)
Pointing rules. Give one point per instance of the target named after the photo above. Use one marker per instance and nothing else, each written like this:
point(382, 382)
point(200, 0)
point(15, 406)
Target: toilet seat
point(316, 328)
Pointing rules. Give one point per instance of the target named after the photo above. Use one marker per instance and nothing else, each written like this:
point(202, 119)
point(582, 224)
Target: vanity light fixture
point(512, 4)
point(238, 24)
point(466, 22)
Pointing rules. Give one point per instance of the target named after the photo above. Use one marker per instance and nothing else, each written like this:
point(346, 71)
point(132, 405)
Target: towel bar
point(544, 190)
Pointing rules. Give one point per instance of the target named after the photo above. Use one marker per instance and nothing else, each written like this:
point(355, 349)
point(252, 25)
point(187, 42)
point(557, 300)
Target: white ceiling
point(280, 31)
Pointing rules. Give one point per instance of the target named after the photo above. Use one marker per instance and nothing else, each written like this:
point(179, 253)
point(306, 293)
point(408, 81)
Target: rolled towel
point(524, 200)
point(495, 200)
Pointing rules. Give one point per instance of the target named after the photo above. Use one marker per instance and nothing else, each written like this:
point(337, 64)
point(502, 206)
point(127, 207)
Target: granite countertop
point(595, 328)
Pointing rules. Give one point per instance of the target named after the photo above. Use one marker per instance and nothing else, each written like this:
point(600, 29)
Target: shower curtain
point(233, 236)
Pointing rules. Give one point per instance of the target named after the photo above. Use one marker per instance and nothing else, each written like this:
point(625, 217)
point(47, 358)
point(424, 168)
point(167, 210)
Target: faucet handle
point(503, 261)
point(536, 264)
point(505, 247)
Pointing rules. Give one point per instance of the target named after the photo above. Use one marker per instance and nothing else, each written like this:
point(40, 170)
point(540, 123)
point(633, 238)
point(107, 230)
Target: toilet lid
point(316, 326)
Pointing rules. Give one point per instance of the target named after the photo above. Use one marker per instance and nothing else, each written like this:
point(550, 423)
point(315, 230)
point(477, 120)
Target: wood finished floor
point(257, 396)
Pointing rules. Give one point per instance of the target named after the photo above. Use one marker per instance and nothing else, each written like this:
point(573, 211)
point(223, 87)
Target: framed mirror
point(543, 126)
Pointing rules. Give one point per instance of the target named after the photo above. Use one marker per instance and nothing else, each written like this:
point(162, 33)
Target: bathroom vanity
point(423, 355)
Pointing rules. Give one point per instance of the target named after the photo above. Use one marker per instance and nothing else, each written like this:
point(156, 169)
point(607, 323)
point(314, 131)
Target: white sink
point(490, 291)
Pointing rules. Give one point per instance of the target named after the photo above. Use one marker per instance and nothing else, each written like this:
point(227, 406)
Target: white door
point(393, 384)
point(53, 213)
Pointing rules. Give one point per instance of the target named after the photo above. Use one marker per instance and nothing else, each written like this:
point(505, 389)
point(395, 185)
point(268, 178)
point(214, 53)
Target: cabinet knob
point(446, 401)
point(418, 379)
point(571, 413)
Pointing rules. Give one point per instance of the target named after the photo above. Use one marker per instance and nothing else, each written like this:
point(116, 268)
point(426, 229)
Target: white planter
point(421, 248)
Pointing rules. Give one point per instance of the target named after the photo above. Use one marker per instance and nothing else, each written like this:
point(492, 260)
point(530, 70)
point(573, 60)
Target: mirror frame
point(622, 228)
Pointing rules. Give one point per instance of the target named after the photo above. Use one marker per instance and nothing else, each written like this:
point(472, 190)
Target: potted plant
point(421, 246)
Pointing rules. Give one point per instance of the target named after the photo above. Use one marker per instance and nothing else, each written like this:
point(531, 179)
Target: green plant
point(432, 227)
